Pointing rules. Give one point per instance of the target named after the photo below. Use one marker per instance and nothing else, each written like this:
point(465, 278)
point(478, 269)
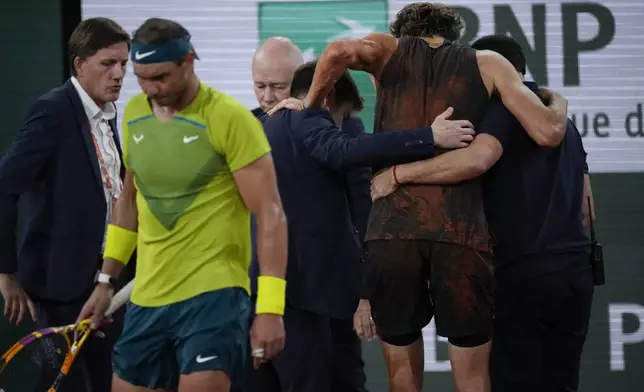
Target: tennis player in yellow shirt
point(198, 163)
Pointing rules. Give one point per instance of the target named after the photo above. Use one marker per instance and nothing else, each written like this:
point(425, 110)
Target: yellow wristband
point(271, 295)
point(119, 243)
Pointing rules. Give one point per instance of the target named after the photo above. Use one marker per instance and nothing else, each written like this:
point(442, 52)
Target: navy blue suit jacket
point(358, 182)
point(52, 168)
point(311, 156)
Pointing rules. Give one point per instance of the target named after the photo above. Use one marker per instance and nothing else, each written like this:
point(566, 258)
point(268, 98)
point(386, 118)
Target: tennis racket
point(52, 350)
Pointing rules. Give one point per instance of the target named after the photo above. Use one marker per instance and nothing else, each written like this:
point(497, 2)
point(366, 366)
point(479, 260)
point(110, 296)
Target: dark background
point(33, 47)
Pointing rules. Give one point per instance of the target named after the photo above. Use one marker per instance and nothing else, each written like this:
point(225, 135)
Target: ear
point(326, 103)
point(190, 58)
point(330, 99)
point(77, 65)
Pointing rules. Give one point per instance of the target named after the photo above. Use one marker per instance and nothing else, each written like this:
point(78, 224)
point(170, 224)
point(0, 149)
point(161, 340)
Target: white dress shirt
point(106, 151)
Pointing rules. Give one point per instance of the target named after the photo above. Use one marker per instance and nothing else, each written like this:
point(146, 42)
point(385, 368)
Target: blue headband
point(173, 50)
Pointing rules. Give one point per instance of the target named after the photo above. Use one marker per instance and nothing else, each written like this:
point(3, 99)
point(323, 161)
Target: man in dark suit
point(310, 157)
point(274, 64)
point(65, 169)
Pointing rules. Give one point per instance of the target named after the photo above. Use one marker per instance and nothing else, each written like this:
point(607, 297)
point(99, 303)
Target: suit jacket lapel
point(86, 133)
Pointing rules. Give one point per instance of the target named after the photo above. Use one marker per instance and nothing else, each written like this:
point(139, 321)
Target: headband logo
point(173, 50)
point(140, 56)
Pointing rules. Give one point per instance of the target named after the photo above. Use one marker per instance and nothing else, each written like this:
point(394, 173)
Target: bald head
point(279, 49)
point(274, 64)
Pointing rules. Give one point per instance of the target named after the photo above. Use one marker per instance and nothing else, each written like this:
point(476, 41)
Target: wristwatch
point(105, 278)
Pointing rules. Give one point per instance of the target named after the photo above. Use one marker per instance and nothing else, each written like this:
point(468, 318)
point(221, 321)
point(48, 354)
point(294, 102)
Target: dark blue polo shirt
point(533, 198)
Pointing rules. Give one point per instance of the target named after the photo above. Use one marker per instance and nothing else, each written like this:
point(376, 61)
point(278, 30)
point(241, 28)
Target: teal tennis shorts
point(207, 332)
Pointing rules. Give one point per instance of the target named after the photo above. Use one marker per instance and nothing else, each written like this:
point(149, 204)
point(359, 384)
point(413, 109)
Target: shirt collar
point(91, 108)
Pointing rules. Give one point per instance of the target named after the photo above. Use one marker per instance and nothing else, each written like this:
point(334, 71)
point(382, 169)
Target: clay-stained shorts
point(410, 281)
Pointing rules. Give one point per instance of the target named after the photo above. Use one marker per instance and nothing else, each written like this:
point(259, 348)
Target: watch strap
point(105, 278)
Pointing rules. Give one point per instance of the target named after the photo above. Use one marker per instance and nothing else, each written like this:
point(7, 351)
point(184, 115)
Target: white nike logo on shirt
point(189, 139)
point(137, 139)
point(201, 359)
point(139, 56)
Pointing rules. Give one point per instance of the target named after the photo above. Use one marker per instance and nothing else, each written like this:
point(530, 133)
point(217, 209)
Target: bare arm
point(454, 166)
point(257, 185)
point(124, 215)
point(546, 125)
point(589, 211)
point(368, 54)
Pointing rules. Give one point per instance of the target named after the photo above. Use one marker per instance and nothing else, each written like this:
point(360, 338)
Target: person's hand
point(363, 322)
point(266, 337)
point(16, 301)
point(97, 305)
point(451, 133)
point(550, 97)
point(546, 95)
point(288, 103)
point(383, 184)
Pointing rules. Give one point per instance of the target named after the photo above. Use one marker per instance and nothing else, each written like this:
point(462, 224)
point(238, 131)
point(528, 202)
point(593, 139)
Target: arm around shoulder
point(452, 167)
point(337, 150)
point(546, 125)
point(455, 166)
point(368, 54)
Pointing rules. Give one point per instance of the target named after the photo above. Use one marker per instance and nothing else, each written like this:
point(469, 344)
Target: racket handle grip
point(120, 298)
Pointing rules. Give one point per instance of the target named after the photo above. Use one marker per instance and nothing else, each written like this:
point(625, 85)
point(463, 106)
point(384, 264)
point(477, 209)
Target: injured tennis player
point(198, 163)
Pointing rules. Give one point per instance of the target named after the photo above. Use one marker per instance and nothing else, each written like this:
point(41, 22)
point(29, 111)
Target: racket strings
point(41, 360)
point(36, 365)
point(49, 351)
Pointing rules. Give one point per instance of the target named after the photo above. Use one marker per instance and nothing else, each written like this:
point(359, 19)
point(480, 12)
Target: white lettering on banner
point(430, 339)
point(618, 336)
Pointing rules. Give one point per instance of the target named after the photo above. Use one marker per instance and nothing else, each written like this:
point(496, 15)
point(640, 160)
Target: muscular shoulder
point(386, 46)
point(488, 61)
point(386, 41)
point(488, 57)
